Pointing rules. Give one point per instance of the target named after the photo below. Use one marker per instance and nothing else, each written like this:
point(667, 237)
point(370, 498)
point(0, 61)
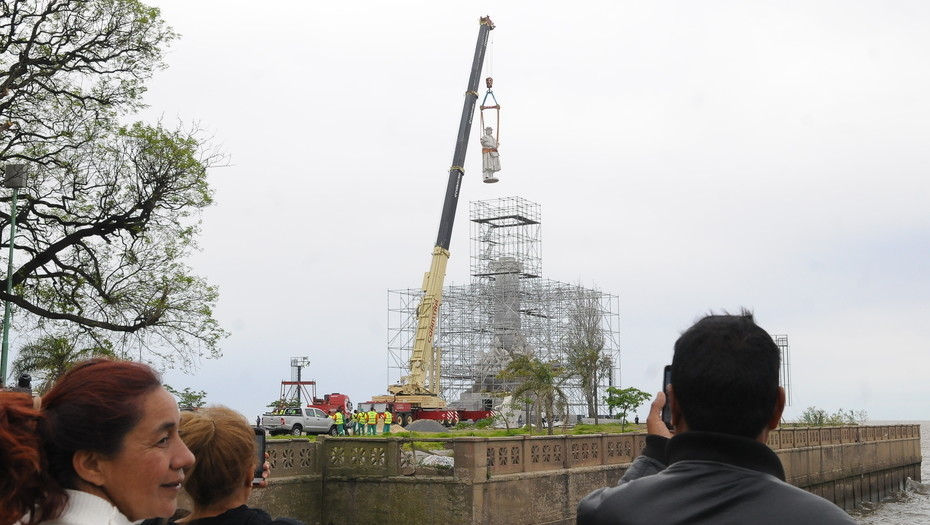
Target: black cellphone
point(667, 409)
point(260, 450)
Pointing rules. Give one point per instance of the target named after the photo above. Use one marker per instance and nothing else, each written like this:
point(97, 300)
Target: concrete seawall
point(540, 479)
point(849, 465)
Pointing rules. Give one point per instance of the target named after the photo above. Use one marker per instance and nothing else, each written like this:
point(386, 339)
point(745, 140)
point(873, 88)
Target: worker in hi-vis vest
point(340, 422)
point(388, 418)
point(372, 422)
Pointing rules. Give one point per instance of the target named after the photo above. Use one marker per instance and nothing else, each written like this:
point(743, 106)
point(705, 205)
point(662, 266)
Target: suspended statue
point(491, 162)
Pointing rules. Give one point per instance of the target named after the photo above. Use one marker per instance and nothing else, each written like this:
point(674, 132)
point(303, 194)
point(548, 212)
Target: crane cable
point(491, 57)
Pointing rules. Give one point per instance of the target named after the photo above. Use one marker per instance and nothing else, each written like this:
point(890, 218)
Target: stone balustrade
point(548, 475)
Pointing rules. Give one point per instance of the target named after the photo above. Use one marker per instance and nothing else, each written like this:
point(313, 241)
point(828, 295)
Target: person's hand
point(654, 423)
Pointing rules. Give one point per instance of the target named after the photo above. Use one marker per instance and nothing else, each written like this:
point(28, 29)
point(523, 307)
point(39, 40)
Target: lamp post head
point(14, 175)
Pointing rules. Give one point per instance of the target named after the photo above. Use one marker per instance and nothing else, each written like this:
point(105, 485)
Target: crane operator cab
point(490, 158)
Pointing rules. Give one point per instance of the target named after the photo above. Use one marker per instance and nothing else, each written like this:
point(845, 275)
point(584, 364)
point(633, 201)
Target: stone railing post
point(393, 456)
point(471, 458)
point(526, 452)
point(567, 456)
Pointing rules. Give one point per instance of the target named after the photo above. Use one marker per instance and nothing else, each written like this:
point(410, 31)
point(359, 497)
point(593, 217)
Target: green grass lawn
point(470, 430)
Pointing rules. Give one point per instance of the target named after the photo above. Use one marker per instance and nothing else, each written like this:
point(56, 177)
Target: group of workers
point(366, 423)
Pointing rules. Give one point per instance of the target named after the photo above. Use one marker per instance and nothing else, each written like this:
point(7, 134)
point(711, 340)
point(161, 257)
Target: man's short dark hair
point(725, 375)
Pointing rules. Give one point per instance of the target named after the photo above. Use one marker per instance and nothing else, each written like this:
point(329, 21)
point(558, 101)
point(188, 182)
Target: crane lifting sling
point(490, 140)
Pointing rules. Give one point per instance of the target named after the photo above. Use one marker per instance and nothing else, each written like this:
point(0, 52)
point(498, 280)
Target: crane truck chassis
point(405, 413)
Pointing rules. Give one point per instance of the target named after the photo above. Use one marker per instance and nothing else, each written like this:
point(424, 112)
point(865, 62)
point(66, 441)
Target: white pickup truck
point(296, 421)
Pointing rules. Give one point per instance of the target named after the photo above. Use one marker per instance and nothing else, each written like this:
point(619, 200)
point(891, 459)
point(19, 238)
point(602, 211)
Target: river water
point(911, 507)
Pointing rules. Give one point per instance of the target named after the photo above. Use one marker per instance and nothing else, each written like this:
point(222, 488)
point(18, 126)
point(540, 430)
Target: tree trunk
point(550, 413)
point(539, 417)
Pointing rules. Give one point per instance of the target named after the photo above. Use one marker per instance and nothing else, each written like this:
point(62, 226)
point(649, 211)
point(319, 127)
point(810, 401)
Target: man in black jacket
point(716, 469)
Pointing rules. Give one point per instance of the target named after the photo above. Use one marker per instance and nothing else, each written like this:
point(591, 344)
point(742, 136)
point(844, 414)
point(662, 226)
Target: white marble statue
point(491, 162)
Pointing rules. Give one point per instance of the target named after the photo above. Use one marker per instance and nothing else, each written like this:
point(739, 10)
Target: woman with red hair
point(102, 449)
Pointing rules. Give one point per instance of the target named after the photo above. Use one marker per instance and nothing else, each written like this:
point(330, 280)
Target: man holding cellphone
point(724, 399)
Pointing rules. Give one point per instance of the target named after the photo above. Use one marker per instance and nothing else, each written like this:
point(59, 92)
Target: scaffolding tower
point(507, 309)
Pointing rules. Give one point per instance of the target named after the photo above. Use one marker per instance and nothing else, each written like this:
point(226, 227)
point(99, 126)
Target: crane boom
point(423, 380)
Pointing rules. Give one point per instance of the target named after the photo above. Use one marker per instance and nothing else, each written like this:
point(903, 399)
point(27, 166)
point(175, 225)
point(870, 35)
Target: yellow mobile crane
point(416, 396)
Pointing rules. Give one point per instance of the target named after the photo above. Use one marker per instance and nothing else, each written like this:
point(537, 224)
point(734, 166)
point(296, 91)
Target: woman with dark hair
point(220, 482)
point(102, 449)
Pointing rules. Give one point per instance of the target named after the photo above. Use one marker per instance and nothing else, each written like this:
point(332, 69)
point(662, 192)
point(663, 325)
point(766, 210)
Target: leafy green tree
point(813, 416)
point(49, 357)
point(816, 417)
point(541, 382)
point(625, 401)
point(189, 399)
point(856, 417)
point(584, 346)
point(109, 212)
point(278, 404)
point(68, 68)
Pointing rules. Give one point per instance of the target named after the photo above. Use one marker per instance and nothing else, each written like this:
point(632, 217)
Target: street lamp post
point(15, 178)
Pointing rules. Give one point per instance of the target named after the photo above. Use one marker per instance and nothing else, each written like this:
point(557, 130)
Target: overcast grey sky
point(687, 156)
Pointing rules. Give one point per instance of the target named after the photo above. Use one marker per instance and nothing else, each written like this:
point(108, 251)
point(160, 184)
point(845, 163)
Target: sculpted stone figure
point(491, 162)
